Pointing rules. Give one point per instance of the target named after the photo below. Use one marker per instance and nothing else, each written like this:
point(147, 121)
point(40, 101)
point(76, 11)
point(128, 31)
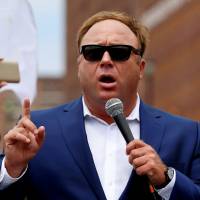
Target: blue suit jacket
point(64, 168)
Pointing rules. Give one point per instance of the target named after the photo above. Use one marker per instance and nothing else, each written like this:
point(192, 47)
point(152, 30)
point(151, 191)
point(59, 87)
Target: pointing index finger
point(26, 108)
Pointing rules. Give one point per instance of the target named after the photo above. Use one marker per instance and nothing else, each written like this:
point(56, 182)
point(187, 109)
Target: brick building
point(172, 76)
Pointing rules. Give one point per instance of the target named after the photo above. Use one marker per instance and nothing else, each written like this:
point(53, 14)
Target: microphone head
point(113, 107)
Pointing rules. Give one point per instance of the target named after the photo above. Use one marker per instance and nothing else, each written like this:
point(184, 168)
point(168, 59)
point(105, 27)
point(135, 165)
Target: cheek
point(85, 74)
point(131, 74)
point(130, 79)
point(81, 74)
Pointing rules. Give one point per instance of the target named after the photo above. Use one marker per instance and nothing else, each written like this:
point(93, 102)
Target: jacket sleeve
point(188, 187)
point(15, 191)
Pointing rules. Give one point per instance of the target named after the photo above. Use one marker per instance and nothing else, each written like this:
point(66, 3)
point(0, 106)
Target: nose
point(106, 58)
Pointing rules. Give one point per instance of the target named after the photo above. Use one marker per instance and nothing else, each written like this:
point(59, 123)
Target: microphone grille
point(113, 107)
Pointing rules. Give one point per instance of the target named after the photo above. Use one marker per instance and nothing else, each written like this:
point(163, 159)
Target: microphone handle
point(123, 127)
point(127, 134)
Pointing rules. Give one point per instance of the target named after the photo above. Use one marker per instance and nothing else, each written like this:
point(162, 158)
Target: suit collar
point(151, 126)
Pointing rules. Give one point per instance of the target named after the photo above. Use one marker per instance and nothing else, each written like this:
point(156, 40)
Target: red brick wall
point(173, 51)
point(175, 47)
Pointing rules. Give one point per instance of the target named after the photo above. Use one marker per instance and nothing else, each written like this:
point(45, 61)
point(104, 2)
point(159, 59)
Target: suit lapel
point(151, 127)
point(73, 131)
point(151, 132)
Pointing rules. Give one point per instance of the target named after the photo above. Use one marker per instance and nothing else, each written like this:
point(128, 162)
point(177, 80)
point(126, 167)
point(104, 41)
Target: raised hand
point(22, 143)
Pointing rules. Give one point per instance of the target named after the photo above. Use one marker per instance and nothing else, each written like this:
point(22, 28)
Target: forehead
point(110, 32)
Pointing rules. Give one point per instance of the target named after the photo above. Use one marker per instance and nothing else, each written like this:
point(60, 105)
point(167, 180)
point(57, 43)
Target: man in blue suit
point(80, 154)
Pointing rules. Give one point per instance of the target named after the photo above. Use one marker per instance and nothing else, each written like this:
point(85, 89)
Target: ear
point(142, 66)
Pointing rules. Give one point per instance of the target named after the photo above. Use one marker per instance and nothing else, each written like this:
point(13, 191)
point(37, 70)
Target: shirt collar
point(135, 114)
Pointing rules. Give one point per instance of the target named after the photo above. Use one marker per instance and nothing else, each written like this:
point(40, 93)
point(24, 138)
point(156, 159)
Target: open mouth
point(107, 79)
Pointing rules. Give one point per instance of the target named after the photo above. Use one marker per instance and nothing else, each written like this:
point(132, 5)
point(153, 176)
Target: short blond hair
point(138, 29)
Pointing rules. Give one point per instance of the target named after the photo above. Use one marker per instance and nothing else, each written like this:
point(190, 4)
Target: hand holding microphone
point(142, 156)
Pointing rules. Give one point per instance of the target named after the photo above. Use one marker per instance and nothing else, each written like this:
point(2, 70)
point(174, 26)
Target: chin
point(108, 96)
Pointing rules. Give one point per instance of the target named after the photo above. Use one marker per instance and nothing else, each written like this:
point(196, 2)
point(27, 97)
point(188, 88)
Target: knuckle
point(136, 162)
point(133, 153)
point(9, 134)
point(149, 148)
point(152, 156)
point(151, 164)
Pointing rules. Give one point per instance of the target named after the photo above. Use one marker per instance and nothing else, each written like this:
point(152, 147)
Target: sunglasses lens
point(120, 52)
point(92, 52)
point(116, 52)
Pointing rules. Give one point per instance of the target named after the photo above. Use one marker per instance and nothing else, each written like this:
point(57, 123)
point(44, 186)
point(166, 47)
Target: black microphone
point(114, 108)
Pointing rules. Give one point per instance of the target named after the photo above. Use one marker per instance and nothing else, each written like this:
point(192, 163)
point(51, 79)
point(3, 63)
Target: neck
point(98, 109)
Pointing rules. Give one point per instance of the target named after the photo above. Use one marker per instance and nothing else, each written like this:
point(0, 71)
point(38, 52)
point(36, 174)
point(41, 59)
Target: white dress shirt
point(108, 149)
point(5, 178)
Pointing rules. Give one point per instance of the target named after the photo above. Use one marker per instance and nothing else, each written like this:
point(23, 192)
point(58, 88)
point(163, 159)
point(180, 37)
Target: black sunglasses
point(119, 52)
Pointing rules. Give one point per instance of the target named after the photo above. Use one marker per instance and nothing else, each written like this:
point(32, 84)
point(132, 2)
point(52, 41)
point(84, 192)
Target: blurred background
point(171, 82)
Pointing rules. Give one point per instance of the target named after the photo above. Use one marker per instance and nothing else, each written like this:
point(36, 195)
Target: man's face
point(104, 79)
